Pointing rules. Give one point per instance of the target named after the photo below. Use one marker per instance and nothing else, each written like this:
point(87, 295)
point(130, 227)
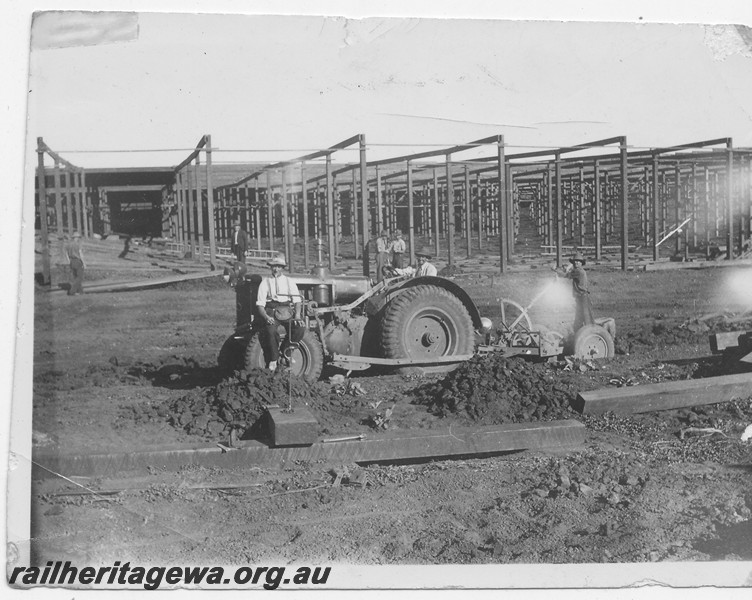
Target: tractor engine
point(324, 290)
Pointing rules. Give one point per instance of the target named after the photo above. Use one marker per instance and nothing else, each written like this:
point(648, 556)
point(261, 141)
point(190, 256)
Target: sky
point(107, 87)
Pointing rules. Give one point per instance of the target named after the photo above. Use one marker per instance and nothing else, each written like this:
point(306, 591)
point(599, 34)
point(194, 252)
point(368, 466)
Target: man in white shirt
point(424, 267)
point(382, 254)
point(278, 302)
point(398, 248)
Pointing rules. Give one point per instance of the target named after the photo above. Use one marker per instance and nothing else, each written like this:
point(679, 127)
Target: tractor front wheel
point(426, 322)
point(306, 357)
point(592, 342)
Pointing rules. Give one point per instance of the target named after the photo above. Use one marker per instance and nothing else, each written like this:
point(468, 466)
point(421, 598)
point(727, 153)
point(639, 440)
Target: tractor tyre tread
point(415, 299)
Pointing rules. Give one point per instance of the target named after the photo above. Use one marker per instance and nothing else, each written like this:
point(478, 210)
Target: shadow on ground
point(178, 376)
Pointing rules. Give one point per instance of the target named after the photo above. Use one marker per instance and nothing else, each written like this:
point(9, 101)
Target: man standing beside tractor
point(382, 254)
point(580, 291)
point(278, 302)
point(398, 248)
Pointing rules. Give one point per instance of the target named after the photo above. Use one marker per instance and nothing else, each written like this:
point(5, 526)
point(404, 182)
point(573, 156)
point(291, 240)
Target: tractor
point(418, 325)
point(422, 324)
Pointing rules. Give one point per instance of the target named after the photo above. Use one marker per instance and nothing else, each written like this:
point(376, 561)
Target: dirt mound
point(658, 333)
point(727, 322)
point(496, 389)
point(233, 404)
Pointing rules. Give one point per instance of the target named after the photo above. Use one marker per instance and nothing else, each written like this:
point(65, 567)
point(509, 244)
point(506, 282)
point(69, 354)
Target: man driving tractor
point(278, 302)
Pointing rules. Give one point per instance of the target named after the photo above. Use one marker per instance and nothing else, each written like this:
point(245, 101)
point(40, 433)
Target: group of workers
point(389, 253)
point(390, 258)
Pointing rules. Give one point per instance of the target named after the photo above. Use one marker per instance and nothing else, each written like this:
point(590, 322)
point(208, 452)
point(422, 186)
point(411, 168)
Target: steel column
point(597, 208)
point(559, 202)
point(450, 210)
point(364, 202)
point(380, 224)
point(656, 203)
point(287, 241)
point(624, 204)
point(42, 191)
point(304, 193)
point(270, 209)
point(468, 213)
point(58, 201)
point(436, 209)
point(330, 209)
point(729, 201)
point(199, 208)
point(502, 212)
point(354, 216)
point(210, 205)
point(191, 220)
point(410, 212)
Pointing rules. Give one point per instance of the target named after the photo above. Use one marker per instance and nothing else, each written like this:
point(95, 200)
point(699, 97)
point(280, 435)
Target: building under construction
point(597, 197)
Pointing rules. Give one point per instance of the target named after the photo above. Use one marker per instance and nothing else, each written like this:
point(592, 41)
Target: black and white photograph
point(314, 300)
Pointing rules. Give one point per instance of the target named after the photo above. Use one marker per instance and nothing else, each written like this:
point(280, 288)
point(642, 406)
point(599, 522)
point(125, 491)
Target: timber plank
point(703, 264)
point(396, 445)
point(665, 396)
point(122, 286)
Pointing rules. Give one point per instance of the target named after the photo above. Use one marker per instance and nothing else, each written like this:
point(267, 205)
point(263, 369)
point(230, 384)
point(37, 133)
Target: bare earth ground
point(115, 371)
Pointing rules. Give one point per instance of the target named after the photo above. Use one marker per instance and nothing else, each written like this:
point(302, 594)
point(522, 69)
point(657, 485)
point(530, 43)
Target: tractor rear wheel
point(306, 357)
point(593, 341)
point(426, 322)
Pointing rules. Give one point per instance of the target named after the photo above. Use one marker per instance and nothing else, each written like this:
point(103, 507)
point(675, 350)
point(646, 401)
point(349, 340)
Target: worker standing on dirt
point(398, 248)
point(239, 243)
point(74, 253)
point(580, 291)
point(382, 254)
point(278, 302)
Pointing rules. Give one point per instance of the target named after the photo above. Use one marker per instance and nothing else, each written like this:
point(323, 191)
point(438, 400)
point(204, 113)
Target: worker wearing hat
point(278, 302)
point(382, 254)
point(239, 243)
point(398, 248)
point(425, 268)
point(580, 291)
point(74, 253)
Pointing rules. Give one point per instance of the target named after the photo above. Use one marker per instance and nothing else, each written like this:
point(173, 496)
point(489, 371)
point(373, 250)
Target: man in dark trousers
point(239, 243)
point(278, 302)
point(580, 291)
